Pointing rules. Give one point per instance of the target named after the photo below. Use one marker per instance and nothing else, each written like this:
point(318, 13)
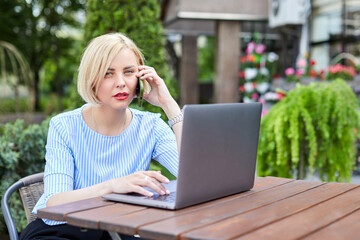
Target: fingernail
point(167, 180)
point(167, 191)
point(151, 194)
point(162, 192)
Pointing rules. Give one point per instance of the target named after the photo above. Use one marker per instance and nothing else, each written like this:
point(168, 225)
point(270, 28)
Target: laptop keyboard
point(164, 198)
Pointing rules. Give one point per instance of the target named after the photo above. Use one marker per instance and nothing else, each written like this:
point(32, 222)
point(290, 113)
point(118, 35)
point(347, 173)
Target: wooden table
point(276, 208)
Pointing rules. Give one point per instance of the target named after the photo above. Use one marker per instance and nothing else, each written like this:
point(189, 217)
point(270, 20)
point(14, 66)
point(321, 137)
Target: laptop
point(217, 157)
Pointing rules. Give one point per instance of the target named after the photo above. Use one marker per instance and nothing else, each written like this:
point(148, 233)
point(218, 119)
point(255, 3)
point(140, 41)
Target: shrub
point(22, 152)
point(7, 105)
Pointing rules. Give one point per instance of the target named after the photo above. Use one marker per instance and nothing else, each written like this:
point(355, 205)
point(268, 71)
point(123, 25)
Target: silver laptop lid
point(218, 151)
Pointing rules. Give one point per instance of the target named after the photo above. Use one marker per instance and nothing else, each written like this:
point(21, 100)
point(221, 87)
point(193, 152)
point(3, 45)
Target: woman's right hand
point(137, 181)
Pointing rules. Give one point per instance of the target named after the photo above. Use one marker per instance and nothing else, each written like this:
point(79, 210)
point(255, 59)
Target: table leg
point(114, 236)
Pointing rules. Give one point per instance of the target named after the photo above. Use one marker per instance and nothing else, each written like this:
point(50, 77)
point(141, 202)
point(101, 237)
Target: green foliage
point(19, 74)
point(40, 29)
point(22, 152)
point(137, 19)
point(206, 61)
point(7, 105)
point(53, 103)
point(315, 127)
point(59, 69)
point(48, 104)
point(156, 166)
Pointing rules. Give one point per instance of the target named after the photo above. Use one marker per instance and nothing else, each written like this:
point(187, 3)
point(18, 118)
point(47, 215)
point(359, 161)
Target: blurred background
point(203, 48)
point(300, 58)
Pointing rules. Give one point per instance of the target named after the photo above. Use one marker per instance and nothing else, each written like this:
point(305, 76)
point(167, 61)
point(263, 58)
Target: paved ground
point(29, 118)
point(355, 178)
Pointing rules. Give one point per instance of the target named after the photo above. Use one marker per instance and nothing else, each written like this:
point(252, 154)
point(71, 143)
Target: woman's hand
point(161, 97)
point(159, 94)
point(137, 181)
point(131, 183)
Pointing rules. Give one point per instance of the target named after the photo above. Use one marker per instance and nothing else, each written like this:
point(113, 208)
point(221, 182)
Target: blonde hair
point(96, 60)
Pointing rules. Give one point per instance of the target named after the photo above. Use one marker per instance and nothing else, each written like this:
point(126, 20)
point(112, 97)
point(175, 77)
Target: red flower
point(280, 95)
point(242, 88)
point(250, 58)
point(276, 76)
point(313, 73)
point(312, 62)
point(241, 74)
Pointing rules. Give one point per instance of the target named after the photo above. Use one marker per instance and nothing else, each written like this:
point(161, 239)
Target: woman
point(104, 146)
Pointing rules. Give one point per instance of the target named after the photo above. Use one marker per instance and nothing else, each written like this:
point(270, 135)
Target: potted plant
point(257, 69)
point(341, 71)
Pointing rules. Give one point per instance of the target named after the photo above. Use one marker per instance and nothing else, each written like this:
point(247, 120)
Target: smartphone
point(142, 85)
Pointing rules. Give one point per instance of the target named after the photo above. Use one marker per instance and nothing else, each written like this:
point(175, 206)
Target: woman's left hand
point(159, 94)
point(161, 97)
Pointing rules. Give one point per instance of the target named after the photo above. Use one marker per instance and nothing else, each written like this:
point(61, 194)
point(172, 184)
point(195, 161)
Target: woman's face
point(117, 89)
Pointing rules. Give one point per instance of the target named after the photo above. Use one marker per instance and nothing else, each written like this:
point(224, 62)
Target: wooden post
point(189, 86)
point(227, 61)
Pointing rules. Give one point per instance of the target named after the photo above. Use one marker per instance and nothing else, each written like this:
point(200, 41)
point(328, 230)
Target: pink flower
point(289, 71)
point(260, 48)
point(255, 96)
point(341, 68)
point(262, 100)
point(301, 63)
point(352, 71)
point(264, 112)
point(336, 68)
point(250, 47)
point(299, 72)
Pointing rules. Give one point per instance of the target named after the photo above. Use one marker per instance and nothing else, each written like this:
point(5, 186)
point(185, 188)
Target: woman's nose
point(120, 82)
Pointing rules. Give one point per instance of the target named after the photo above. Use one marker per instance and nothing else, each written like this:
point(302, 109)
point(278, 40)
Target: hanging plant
point(314, 127)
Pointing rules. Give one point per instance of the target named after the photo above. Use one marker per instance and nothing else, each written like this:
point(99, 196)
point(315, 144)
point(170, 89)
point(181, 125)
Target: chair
point(31, 188)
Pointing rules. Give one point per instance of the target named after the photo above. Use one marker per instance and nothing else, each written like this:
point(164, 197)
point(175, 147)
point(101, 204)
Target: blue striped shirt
point(78, 157)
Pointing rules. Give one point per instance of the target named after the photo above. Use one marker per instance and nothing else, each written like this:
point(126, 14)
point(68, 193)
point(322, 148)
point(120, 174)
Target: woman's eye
point(129, 71)
point(108, 74)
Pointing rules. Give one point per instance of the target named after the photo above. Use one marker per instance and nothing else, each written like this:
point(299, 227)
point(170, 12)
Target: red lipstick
point(121, 96)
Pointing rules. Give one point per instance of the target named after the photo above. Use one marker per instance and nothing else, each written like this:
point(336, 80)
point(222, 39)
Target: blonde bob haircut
point(96, 60)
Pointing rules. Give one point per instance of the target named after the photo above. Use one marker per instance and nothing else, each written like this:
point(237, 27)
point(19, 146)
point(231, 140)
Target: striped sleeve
point(165, 151)
point(59, 168)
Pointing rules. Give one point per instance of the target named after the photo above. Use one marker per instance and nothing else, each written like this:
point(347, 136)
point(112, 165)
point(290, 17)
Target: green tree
point(40, 29)
point(57, 75)
point(137, 19)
